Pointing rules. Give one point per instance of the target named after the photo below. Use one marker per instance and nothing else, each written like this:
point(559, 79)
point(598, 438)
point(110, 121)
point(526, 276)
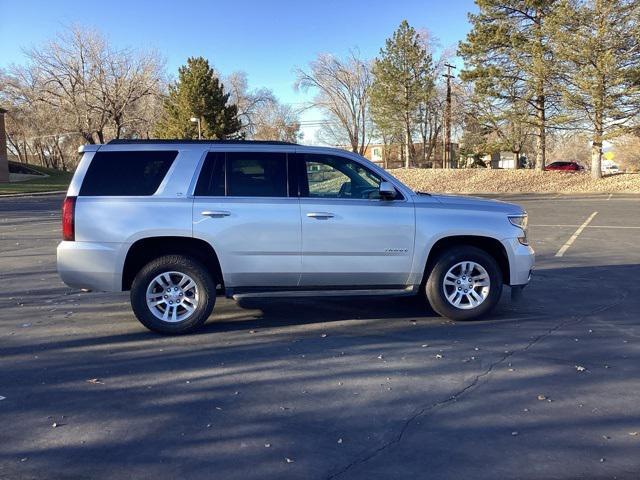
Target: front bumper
point(522, 259)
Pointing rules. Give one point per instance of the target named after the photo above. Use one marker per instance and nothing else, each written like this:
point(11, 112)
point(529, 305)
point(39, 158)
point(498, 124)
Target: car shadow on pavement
point(382, 396)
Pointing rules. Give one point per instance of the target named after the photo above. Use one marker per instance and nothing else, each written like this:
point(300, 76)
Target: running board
point(410, 290)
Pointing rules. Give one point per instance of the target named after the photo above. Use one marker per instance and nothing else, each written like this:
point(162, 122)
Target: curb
point(31, 194)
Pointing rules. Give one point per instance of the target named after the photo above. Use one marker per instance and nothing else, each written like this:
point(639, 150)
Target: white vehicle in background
point(609, 167)
point(176, 222)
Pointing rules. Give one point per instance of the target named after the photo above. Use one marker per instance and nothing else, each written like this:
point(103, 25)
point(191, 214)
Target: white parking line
point(610, 195)
point(577, 233)
point(588, 226)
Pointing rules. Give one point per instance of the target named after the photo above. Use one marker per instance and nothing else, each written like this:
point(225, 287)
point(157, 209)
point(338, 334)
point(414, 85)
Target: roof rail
point(121, 141)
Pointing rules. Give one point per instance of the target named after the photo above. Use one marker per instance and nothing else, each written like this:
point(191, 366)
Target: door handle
point(320, 215)
point(215, 213)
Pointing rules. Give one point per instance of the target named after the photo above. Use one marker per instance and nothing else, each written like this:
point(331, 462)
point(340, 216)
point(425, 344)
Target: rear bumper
point(91, 265)
point(522, 259)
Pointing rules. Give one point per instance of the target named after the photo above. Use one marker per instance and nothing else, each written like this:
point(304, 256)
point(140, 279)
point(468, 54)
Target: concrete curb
point(31, 194)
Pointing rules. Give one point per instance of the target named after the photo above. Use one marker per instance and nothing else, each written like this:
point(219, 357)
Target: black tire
point(206, 294)
point(435, 289)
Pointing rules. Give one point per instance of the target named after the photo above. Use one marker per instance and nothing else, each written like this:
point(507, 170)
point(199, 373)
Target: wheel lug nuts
point(168, 290)
point(459, 288)
point(180, 293)
point(170, 302)
point(166, 296)
point(465, 290)
point(458, 282)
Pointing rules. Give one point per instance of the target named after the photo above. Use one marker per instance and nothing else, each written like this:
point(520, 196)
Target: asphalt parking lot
point(357, 388)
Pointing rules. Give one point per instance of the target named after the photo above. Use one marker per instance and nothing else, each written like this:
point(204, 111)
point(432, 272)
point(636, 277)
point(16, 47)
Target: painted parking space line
point(609, 197)
point(573, 237)
point(623, 227)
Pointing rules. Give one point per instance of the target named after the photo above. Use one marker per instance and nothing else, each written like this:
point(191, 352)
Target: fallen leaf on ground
point(541, 397)
point(289, 460)
point(95, 381)
point(580, 368)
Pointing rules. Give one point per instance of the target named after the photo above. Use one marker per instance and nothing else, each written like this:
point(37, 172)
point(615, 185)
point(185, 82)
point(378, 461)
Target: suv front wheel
point(465, 283)
point(173, 294)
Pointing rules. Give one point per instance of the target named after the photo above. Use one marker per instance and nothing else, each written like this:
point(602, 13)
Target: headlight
point(521, 221)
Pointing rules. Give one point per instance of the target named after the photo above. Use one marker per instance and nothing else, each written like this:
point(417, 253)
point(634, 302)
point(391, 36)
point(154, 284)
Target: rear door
point(350, 236)
point(243, 209)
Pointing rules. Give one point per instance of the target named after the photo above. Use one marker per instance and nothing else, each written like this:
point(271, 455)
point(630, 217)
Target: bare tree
point(249, 102)
point(342, 93)
point(626, 150)
point(95, 89)
point(275, 121)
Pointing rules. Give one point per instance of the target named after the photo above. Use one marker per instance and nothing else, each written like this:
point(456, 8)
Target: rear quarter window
point(126, 173)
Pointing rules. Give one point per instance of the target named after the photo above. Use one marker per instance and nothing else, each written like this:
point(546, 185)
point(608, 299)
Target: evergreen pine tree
point(198, 93)
point(403, 78)
point(598, 45)
point(508, 57)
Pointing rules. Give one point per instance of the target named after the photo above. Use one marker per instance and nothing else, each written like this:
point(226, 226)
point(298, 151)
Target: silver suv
point(177, 222)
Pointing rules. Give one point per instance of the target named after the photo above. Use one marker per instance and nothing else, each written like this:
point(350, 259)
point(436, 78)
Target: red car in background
point(564, 167)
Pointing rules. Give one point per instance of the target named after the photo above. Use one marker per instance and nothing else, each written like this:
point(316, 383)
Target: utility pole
point(446, 153)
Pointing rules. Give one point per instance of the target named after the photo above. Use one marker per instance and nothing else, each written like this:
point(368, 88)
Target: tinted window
point(328, 176)
point(212, 178)
point(256, 174)
point(126, 173)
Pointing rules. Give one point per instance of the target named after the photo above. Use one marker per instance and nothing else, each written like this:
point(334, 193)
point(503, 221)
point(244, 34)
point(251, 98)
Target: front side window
point(329, 176)
point(136, 173)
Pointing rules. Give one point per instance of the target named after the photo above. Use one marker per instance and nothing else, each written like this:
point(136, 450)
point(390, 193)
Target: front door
point(243, 209)
point(350, 236)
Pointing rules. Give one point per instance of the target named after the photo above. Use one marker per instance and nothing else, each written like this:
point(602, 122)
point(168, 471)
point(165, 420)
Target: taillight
point(68, 219)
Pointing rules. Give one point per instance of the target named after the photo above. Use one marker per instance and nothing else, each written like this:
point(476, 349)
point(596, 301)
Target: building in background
point(4, 161)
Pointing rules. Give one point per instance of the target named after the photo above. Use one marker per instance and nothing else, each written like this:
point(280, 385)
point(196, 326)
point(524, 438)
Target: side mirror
point(387, 191)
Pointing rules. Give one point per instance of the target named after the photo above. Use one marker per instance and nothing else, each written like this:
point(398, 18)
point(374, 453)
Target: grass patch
point(57, 180)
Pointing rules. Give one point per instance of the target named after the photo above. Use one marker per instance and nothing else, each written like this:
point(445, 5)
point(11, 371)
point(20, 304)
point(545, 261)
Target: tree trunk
point(516, 163)
point(541, 139)
point(407, 147)
point(596, 147)
point(540, 73)
point(598, 130)
point(596, 160)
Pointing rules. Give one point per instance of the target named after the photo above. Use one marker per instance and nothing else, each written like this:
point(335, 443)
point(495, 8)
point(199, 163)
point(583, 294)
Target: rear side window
point(126, 173)
point(256, 174)
point(243, 174)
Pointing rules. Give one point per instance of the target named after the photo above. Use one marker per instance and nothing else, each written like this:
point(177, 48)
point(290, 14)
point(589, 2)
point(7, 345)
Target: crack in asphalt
point(470, 386)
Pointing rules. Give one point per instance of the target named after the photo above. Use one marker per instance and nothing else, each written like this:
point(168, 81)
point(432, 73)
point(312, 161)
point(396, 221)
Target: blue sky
point(266, 39)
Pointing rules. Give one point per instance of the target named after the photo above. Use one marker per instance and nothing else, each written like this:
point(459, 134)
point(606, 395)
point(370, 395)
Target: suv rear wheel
point(173, 294)
point(465, 283)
